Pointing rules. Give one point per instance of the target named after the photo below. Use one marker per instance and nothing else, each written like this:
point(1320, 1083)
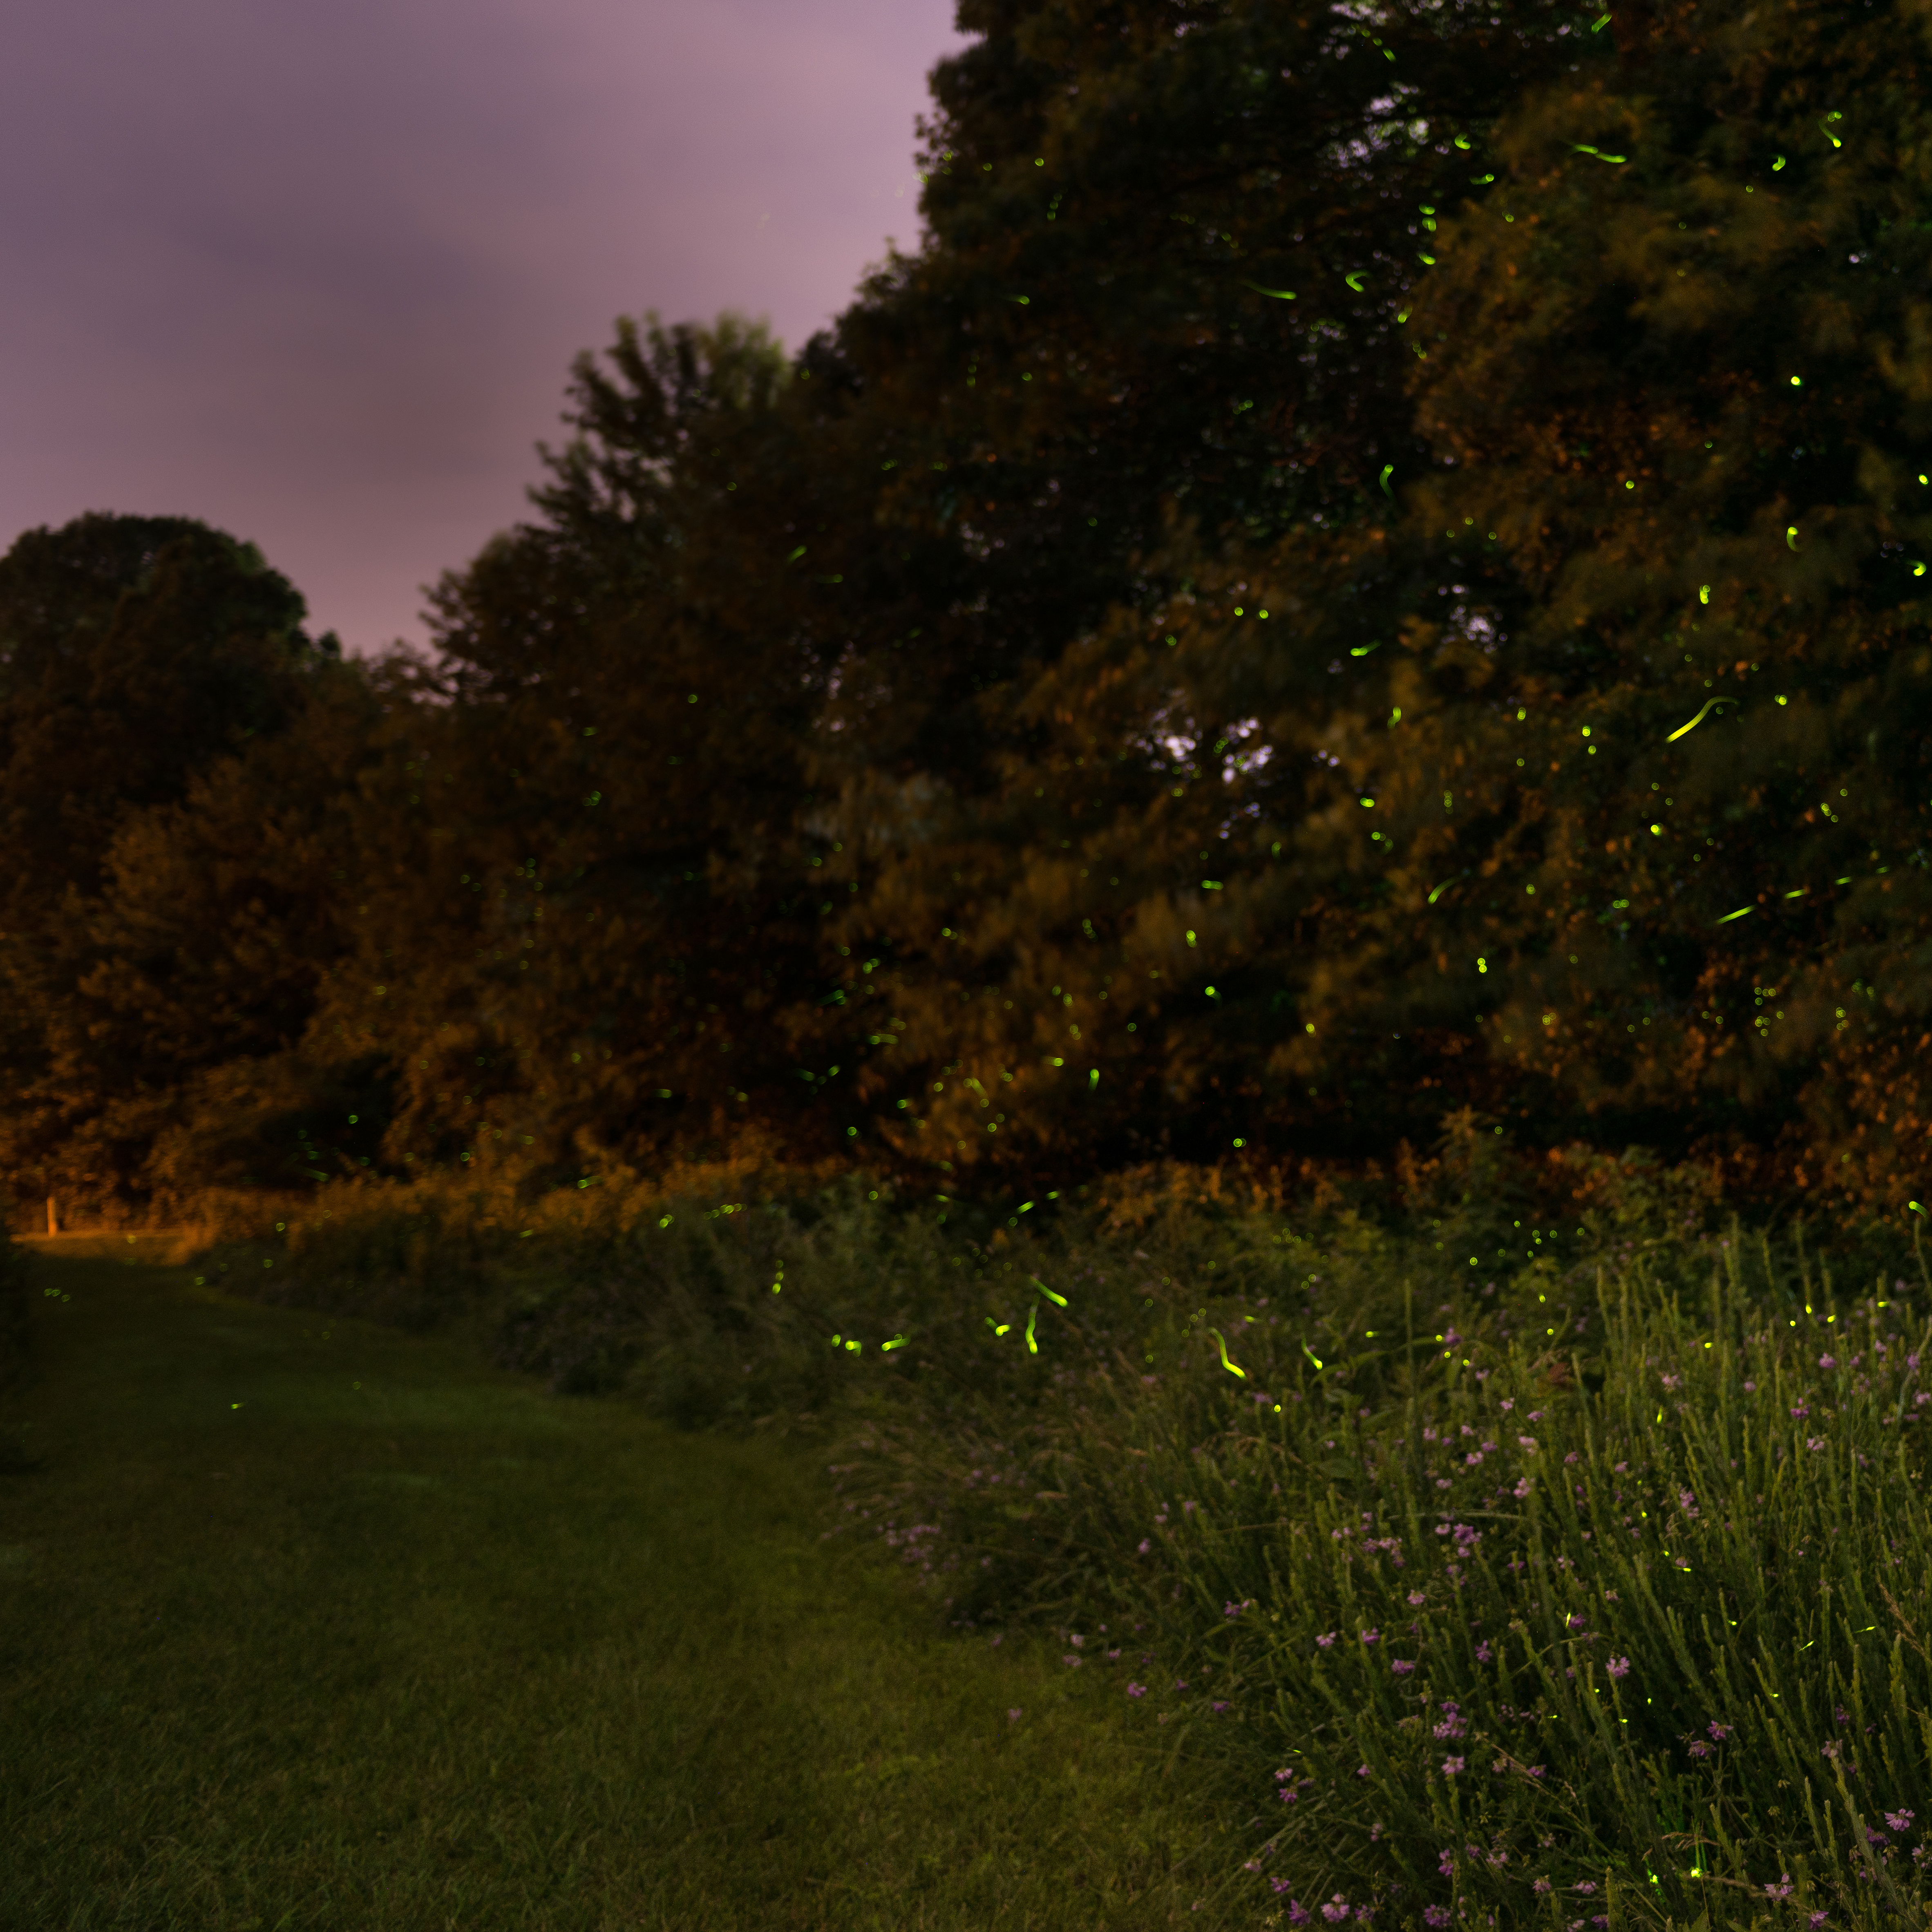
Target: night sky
point(314, 271)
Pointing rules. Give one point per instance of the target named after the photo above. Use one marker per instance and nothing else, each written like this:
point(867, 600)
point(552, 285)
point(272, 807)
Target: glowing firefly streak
point(1353, 278)
point(1698, 720)
point(1033, 1347)
point(1311, 1355)
point(1388, 472)
point(1231, 1368)
point(1362, 650)
point(1279, 295)
point(1738, 914)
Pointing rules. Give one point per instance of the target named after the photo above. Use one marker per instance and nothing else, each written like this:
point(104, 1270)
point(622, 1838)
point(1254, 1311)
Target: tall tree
point(1158, 323)
point(175, 1005)
point(621, 924)
point(1487, 799)
point(135, 652)
point(1681, 370)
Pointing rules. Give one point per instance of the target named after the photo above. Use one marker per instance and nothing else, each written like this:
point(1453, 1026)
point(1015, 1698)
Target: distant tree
point(136, 654)
point(133, 650)
point(618, 934)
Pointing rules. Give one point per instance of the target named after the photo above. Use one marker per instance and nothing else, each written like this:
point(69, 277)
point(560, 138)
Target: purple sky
point(314, 271)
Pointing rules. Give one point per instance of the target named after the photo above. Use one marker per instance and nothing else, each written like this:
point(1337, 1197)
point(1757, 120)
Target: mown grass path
point(306, 1623)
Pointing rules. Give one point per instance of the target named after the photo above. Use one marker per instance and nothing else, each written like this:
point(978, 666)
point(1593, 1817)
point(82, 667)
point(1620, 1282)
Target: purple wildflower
point(1619, 1666)
point(1451, 1767)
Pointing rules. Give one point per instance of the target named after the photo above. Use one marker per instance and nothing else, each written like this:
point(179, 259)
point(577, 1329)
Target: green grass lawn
point(308, 1623)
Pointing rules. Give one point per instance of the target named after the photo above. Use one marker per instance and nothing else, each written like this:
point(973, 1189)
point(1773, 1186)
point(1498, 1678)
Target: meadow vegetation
point(1518, 1565)
point(309, 1625)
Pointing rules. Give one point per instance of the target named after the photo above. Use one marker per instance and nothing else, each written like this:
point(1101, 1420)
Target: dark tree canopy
point(1371, 565)
point(133, 650)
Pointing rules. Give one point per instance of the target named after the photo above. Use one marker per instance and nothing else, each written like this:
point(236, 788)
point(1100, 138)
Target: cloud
point(316, 273)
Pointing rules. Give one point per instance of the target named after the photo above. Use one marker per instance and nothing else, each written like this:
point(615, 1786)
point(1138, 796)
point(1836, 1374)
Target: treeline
point(1372, 565)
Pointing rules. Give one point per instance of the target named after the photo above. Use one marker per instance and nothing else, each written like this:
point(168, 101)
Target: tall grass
point(1528, 1568)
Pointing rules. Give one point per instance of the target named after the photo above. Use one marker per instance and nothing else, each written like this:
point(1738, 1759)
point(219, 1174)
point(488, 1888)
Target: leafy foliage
point(1367, 568)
